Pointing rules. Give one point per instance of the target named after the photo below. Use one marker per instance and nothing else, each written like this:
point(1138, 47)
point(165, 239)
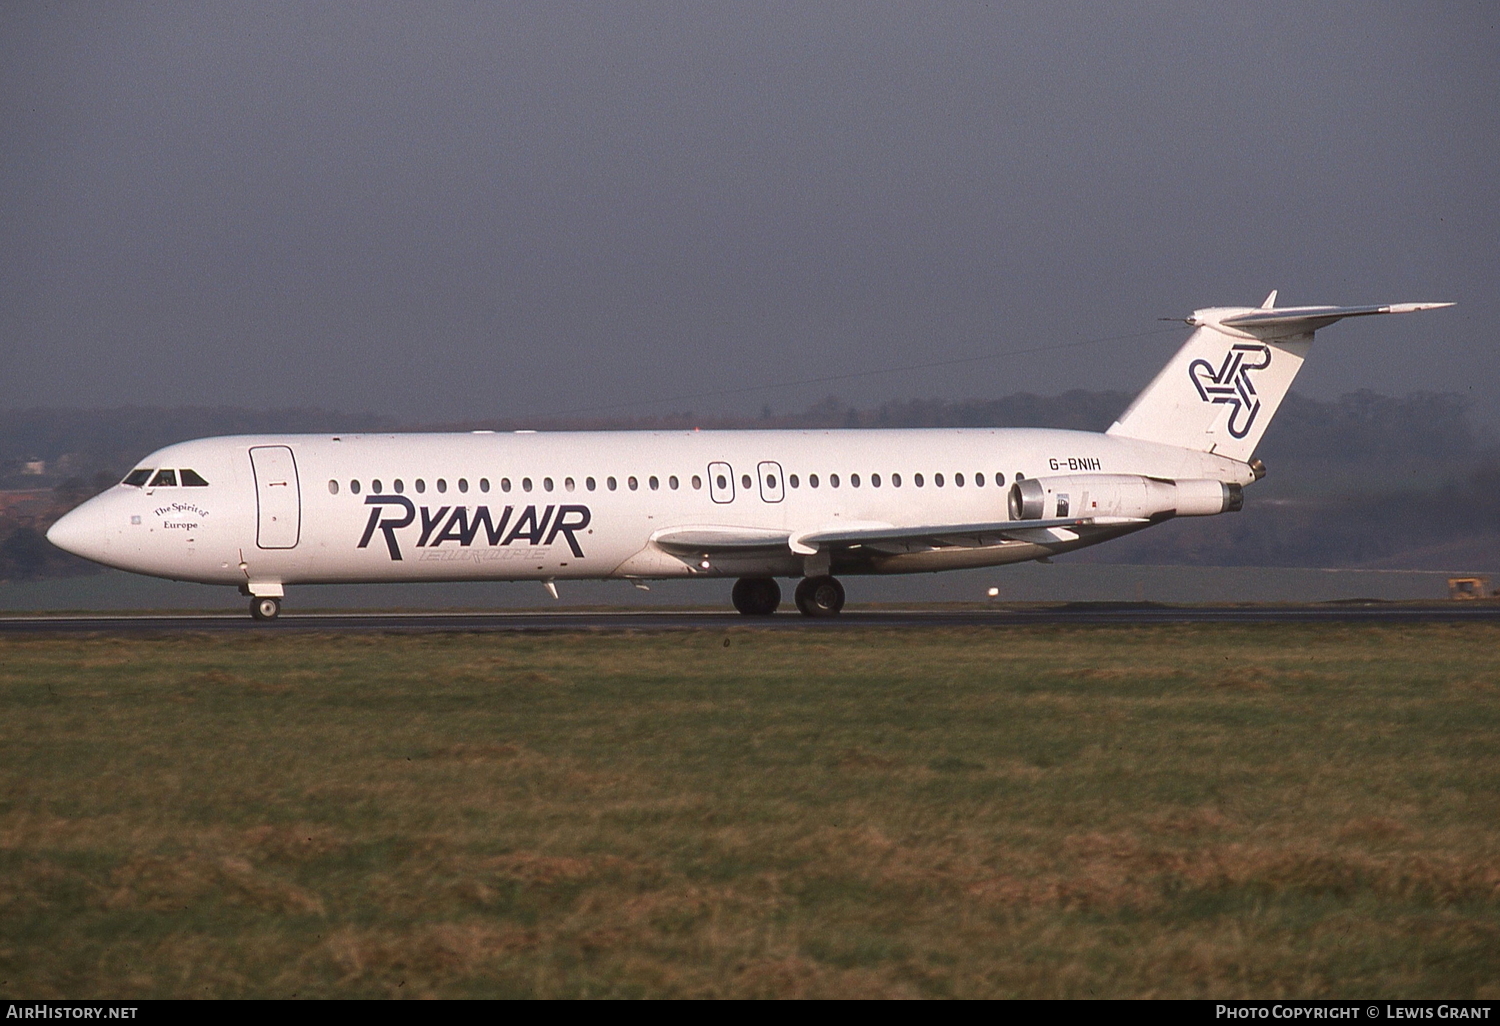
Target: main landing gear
point(816, 596)
point(265, 607)
point(756, 596)
point(820, 596)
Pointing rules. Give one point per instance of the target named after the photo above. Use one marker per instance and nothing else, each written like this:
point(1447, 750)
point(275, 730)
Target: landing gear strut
point(820, 596)
point(756, 596)
point(265, 608)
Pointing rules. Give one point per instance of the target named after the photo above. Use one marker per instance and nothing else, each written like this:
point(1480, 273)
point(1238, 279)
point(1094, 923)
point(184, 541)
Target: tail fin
point(1222, 388)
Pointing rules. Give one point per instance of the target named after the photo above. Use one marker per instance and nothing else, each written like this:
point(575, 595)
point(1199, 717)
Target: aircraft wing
point(941, 536)
point(692, 541)
point(708, 539)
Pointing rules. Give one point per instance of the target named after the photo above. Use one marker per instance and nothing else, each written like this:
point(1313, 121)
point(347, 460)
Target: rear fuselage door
point(721, 482)
point(772, 488)
point(278, 497)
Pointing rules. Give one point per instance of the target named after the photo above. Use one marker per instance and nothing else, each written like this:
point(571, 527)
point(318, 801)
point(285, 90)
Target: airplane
point(268, 512)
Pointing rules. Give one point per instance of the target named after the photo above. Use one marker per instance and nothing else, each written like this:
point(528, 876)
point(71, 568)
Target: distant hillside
point(81, 443)
point(1454, 526)
point(1361, 426)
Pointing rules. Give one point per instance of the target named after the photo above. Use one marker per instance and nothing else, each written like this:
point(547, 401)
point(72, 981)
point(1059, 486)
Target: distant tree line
point(1454, 526)
point(1358, 425)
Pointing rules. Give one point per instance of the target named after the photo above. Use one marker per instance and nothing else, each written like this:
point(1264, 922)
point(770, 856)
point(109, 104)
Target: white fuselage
point(263, 512)
point(518, 506)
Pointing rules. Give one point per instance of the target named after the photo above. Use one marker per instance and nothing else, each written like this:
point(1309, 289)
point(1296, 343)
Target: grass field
point(1176, 811)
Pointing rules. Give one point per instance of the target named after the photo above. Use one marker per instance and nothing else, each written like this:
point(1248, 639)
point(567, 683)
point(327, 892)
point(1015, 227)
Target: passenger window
point(590, 483)
point(420, 486)
point(484, 484)
point(164, 479)
point(722, 482)
point(853, 480)
point(672, 482)
point(442, 485)
point(399, 486)
point(978, 480)
point(999, 480)
point(745, 480)
point(354, 487)
point(958, 480)
point(697, 482)
point(874, 480)
point(771, 482)
point(609, 483)
point(895, 480)
point(547, 483)
point(632, 483)
point(792, 481)
point(1062, 504)
point(136, 478)
point(375, 486)
point(568, 484)
point(463, 484)
point(916, 479)
point(654, 483)
point(833, 480)
point(525, 484)
point(812, 480)
point(333, 487)
point(937, 479)
point(190, 479)
point(505, 484)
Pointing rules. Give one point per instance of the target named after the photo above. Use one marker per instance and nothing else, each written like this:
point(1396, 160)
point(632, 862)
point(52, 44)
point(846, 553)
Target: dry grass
point(1185, 811)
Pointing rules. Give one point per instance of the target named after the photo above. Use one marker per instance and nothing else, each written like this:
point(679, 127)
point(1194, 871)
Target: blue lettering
point(529, 527)
point(388, 527)
point(491, 531)
point(460, 524)
point(428, 523)
point(457, 528)
point(566, 527)
point(461, 529)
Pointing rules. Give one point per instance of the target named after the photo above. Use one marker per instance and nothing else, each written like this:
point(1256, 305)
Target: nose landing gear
point(820, 596)
point(265, 608)
point(756, 596)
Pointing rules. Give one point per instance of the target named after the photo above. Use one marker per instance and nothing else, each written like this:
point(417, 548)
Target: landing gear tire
point(820, 596)
point(756, 596)
point(266, 608)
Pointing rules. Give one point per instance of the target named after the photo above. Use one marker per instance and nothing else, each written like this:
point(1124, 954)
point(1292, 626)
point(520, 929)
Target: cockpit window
point(164, 479)
point(137, 477)
point(190, 479)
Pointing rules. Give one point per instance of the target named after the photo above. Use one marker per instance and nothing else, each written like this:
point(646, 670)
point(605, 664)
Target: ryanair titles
point(464, 526)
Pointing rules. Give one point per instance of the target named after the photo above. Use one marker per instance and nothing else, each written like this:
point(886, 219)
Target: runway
point(1080, 613)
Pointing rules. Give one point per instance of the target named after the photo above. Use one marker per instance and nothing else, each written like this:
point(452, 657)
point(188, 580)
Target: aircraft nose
point(80, 532)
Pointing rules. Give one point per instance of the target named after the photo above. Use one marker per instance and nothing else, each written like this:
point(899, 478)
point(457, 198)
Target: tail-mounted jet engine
point(1121, 495)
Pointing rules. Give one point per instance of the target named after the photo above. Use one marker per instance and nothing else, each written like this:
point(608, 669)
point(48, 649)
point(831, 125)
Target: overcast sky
point(444, 211)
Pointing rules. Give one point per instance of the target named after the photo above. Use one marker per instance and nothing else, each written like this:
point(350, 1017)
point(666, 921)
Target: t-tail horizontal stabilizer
point(1296, 321)
point(1222, 388)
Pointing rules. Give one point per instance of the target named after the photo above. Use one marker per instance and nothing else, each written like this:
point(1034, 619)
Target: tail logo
point(1230, 384)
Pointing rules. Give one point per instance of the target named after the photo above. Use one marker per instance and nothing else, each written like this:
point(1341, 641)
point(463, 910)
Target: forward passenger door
point(278, 497)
